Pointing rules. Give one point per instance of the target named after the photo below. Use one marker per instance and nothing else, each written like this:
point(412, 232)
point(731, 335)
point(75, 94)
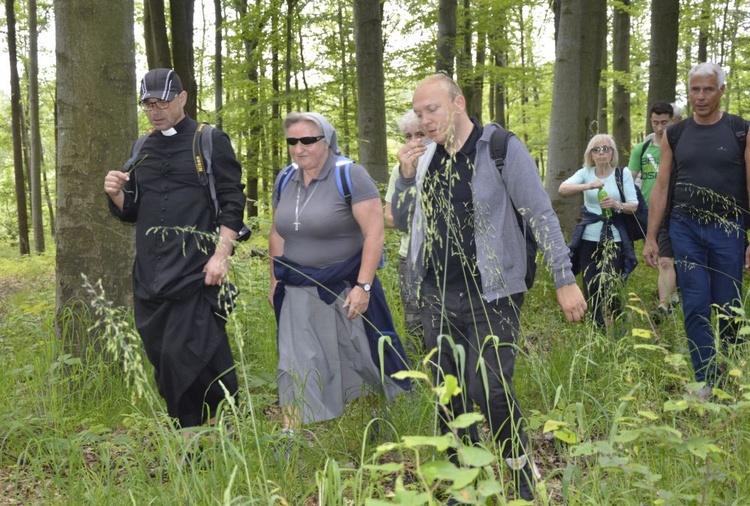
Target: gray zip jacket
point(501, 247)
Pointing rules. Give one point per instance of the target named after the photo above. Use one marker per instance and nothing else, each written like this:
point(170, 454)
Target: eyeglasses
point(306, 141)
point(601, 149)
point(159, 104)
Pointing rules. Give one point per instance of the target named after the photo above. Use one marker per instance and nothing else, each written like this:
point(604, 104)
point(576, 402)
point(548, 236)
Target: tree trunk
point(93, 136)
point(344, 133)
point(35, 161)
point(16, 113)
point(368, 43)
point(621, 66)
point(446, 39)
point(155, 35)
point(662, 69)
point(183, 52)
point(574, 97)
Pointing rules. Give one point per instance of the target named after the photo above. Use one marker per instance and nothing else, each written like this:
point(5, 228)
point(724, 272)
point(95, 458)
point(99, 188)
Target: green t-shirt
point(647, 163)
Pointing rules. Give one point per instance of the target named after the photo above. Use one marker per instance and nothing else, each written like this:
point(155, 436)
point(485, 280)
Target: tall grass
point(611, 421)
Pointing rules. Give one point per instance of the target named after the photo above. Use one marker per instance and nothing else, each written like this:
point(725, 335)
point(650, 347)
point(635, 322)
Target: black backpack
point(498, 149)
point(637, 223)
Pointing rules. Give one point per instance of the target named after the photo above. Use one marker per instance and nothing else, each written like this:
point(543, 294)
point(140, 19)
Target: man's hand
point(113, 183)
point(357, 301)
point(408, 156)
point(651, 253)
point(572, 302)
point(216, 269)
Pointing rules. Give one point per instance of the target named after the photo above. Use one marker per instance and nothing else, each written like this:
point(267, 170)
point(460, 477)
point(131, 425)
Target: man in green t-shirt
point(644, 160)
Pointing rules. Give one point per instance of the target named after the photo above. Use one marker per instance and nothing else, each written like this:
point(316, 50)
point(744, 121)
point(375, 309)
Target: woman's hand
point(357, 301)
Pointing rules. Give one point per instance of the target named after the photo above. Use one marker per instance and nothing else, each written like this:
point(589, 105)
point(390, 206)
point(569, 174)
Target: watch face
point(365, 286)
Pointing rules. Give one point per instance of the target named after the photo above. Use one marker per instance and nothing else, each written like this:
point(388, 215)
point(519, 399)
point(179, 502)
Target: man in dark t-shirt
point(707, 193)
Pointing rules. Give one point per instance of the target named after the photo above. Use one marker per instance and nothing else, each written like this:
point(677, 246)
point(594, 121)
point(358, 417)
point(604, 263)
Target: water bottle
point(601, 195)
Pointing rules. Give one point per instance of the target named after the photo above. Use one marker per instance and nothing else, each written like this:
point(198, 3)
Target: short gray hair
point(409, 121)
point(708, 69)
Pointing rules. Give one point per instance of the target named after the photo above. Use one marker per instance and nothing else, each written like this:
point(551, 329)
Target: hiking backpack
point(498, 150)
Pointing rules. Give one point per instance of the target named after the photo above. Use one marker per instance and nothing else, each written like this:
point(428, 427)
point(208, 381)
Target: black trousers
point(187, 343)
point(485, 330)
point(601, 265)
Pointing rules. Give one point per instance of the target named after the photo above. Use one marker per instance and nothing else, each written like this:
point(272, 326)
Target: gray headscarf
point(326, 127)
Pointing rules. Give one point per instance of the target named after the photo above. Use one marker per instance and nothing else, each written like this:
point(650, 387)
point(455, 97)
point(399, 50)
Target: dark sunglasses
point(306, 141)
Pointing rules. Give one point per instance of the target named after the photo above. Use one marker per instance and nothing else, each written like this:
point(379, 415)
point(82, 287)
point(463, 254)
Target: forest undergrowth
point(611, 420)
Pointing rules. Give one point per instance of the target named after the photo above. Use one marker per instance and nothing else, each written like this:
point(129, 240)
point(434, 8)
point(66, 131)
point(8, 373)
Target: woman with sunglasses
point(330, 308)
point(600, 246)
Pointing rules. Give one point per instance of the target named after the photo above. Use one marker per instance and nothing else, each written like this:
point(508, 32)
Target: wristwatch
point(364, 286)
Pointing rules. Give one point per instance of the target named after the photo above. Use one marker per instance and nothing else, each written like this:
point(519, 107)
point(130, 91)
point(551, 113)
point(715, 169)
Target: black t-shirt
point(709, 172)
point(450, 250)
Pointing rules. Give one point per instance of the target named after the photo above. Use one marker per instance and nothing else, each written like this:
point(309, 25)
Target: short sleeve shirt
point(316, 222)
point(647, 163)
point(591, 199)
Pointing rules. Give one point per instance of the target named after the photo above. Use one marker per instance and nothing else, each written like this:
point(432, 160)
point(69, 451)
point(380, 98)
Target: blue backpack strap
point(344, 178)
point(283, 178)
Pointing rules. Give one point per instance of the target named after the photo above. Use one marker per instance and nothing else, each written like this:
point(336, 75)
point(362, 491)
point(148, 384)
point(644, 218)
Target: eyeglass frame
point(602, 149)
point(149, 106)
point(306, 141)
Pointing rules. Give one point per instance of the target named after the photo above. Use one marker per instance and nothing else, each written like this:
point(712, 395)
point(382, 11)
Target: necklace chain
point(297, 209)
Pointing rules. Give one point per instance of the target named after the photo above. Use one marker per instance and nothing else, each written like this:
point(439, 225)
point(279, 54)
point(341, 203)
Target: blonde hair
point(588, 160)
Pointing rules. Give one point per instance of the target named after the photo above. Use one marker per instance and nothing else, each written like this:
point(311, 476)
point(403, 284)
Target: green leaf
point(466, 420)
point(553, 425)
point(675, 405)
point(612, 461)
point(463, 477)
point(441, 443)
point(642, 333)
point(648, 414)
point(448, 389)
point(488, 488)
point(566, 435)
point(699, 446)
point(438, 470)
point(475, 456)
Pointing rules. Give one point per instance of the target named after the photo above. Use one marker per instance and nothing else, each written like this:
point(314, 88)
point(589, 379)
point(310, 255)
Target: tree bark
point(16, 113)
point(621, 67)
point(35, 137)
point(93, 137)
point(368, 43)
point(183, 52)
point(446, 40)
point(158, 54)
point(662, 69)
point(574, 97)
point(218, 63)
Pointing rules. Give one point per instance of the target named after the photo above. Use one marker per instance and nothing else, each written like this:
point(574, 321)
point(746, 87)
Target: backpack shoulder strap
point(675, 132)
point(137, 146)
point(283, 178)
point(499, 146)
point(739, 125)
point(203, 145)
point(645, 146)
point(618, 178)
point(344, 178)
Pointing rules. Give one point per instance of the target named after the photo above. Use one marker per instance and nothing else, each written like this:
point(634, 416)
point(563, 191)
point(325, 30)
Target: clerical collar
point(169, 133)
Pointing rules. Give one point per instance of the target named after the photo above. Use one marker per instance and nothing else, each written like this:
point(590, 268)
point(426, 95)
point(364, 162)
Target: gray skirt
point(324, 358)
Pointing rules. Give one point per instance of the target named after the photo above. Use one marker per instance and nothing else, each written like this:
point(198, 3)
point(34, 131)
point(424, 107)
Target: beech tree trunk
point(368, 43)
point(93, 137)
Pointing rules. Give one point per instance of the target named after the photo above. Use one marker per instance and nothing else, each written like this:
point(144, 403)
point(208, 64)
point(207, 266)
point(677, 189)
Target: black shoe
point(524, 482)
